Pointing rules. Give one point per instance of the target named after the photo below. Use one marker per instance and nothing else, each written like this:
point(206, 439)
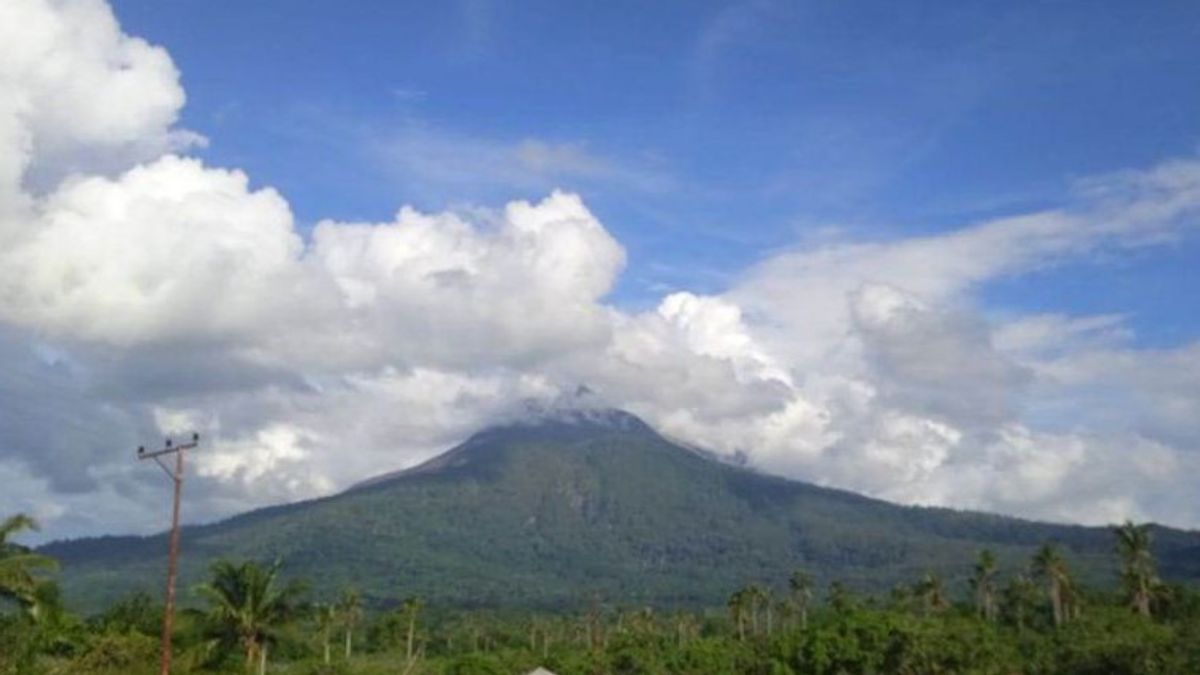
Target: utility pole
point(176, 477)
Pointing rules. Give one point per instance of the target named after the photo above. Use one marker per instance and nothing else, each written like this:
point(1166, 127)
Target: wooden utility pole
point(176, 477)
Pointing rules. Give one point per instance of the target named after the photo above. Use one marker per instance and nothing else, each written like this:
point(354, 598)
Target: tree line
point(249, 618)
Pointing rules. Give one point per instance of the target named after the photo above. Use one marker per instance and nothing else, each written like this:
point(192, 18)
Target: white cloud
point(1040, 334)
point(77, 94)
point(254, 462)
point(439, 290)
point(936, 363)
point(142, 292)
point(432, 161)
point(142, 257)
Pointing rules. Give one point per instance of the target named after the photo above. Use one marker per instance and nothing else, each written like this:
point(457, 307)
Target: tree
point(327, 619)
point(1137, 574)
point(801, 586)
point(55, 624)
point(983, 583)
point(19, 566)
point(737, 611)
point(350, 613)
point(840, 599)
point(1020, 596)
point(931, 593)
point(137, 612)
point(1050, 566)
point(758, 597)
point(247, 603)
point(411, 607)
point(686, 628)
point(901, 598)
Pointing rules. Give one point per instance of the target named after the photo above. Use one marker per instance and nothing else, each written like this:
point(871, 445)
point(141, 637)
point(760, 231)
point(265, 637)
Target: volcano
point(550, 512)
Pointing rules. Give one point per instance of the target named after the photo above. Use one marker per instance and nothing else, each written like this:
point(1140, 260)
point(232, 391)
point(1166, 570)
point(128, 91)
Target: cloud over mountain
point(144, 292)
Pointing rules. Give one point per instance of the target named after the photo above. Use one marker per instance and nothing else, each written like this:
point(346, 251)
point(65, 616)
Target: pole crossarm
point(166, 451)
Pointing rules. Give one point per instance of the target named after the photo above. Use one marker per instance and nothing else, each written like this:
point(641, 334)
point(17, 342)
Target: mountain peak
point(575, 415)
point(582, 408)
point(607, 418)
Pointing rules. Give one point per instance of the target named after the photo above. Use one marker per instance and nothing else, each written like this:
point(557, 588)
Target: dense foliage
point(537, 516)
point(1034, 619)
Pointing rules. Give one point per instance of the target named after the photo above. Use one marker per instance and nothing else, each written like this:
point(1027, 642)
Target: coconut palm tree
point(411, 607)
point(686, 628)
point(983, 583)
point(801, 586)
point(758, 597)
point(737, 611)
point(1020, 596)
point(327, 619)
point(840, 598)
point(1050, 566)
point(901, 598)
point(19, 566)
point(1072, 601)
point(350, 612)
point(932, 593)
point(56, 625)
point(248, 603)
point(1138, 574)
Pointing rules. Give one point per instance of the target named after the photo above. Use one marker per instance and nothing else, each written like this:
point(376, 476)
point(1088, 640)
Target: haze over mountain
point(547, 512)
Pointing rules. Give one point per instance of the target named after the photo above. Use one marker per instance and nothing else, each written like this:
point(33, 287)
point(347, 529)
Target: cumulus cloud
point(440, 290)
point(141, 258)
point(143, 292)
point(76, 94)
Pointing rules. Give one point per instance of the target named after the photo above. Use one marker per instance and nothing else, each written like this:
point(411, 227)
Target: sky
point(940, 255)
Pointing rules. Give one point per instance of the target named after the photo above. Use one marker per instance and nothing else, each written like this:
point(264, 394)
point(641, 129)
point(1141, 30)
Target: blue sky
point(720, 132)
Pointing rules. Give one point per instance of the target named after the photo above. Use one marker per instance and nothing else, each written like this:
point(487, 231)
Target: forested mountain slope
point(550, 513)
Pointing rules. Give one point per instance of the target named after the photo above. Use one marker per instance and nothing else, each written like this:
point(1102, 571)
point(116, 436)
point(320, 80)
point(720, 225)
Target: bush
point(117, 652)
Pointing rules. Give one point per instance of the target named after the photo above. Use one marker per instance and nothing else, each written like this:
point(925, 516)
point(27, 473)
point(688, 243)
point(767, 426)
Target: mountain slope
point(547, 514)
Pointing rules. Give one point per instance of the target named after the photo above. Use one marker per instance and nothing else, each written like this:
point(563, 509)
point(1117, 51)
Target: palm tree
point(642, 622)
point(1138, 575)
point(840, 598)
point(55, 624)
point(685, 628)
point(350, 611)
point(901, 598)
point(737, 611)
point(411, 607)
point(931, 593)
point(547, 631)
point(19, 565)
point(1072, 601)
point(1050, 566)
point(801, 586)
point(248, 604)
point(327, 617)
point(983, 582)
point(594, 626)
point(758, 597)
point(1020, 595)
